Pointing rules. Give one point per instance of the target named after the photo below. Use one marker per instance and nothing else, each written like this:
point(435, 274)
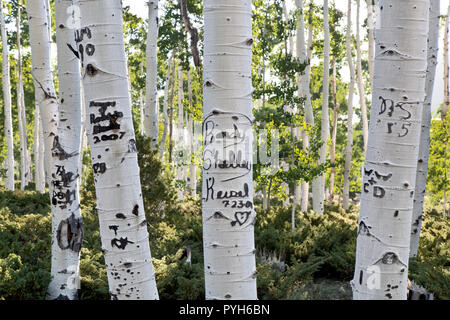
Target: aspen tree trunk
point(384, 227)
point(424, 145)
point(36, 145)
point(192, 166)
point(309, 116)
point(141, 113)
point(165, 113)
point(111, 136)
point(6, 85)
point(21, 109)
point(39, 152)
point(44, 88)
point(180, 133)
point(151, 99)
point(319, 182)
point(227, 195)
point(41, 155)
point(371, 41)
point(334, 132)
point(349, 144)
point(67, 221)
point(362, 94)
point(83, 138)
point(172, 93)
point(446, 69)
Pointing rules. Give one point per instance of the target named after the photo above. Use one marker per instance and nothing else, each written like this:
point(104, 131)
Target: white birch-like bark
point(67, 221)
point(333, 132)
point(165, 107)
point(151, 99)
point(38, 152)
point(371, 40)
point(6, 86)
point(44, 87)
point(319, 182)
point(446, 68)
point(349, 144)
point(22, 120)
point(309, 116)
point(361, 91)
point(180, 133)
point(384, 226)
point(424, 146)
point(141, 113)
point(192, 166)
point(227, 195)
point(123, 227)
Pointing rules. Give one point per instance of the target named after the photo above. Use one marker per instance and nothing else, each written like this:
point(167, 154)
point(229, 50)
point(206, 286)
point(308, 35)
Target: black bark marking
point(135, 210)
point(132, 146)
point(120, 243)
point(115, 228)
point(70, 233)
point(91, 70)
point(58, 151)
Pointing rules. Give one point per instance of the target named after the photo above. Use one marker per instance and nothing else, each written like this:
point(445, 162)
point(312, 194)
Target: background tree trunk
point(424, 146)
point(334, 132)
point(111, 136)
point(362, 93)
point(319, 182)
point(384, 226)
point(151, 111)
point(228, 233)
point(21, 110)
point(349, 145)
point(6, 85)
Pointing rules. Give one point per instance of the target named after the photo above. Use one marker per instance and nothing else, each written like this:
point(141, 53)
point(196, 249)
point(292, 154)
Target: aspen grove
point(224, 150)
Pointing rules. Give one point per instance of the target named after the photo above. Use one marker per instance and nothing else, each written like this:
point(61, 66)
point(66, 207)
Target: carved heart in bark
point(241, 217)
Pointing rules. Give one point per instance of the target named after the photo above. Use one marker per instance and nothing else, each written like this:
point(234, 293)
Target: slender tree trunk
point(45, 92)
point(165, 113)
point(349, 145)
point(334, 133)
point(151, 100)
point(6, 85)
point(319, 182)
point(193, 168)
point(41, 155)
point(424, 146)
point(309, 116)
point(111, 136)
point(446, 69)
point(21, 109)
point(384, 226)
point(172, 93)
point(193, 32)
point(362, 94)
point(66, 214)
point(141, 113)
point(228, 233)
point(371, 41)
point(180, 133)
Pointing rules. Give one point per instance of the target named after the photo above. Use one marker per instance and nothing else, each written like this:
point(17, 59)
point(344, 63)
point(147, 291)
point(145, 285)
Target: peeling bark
point(382, 254)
